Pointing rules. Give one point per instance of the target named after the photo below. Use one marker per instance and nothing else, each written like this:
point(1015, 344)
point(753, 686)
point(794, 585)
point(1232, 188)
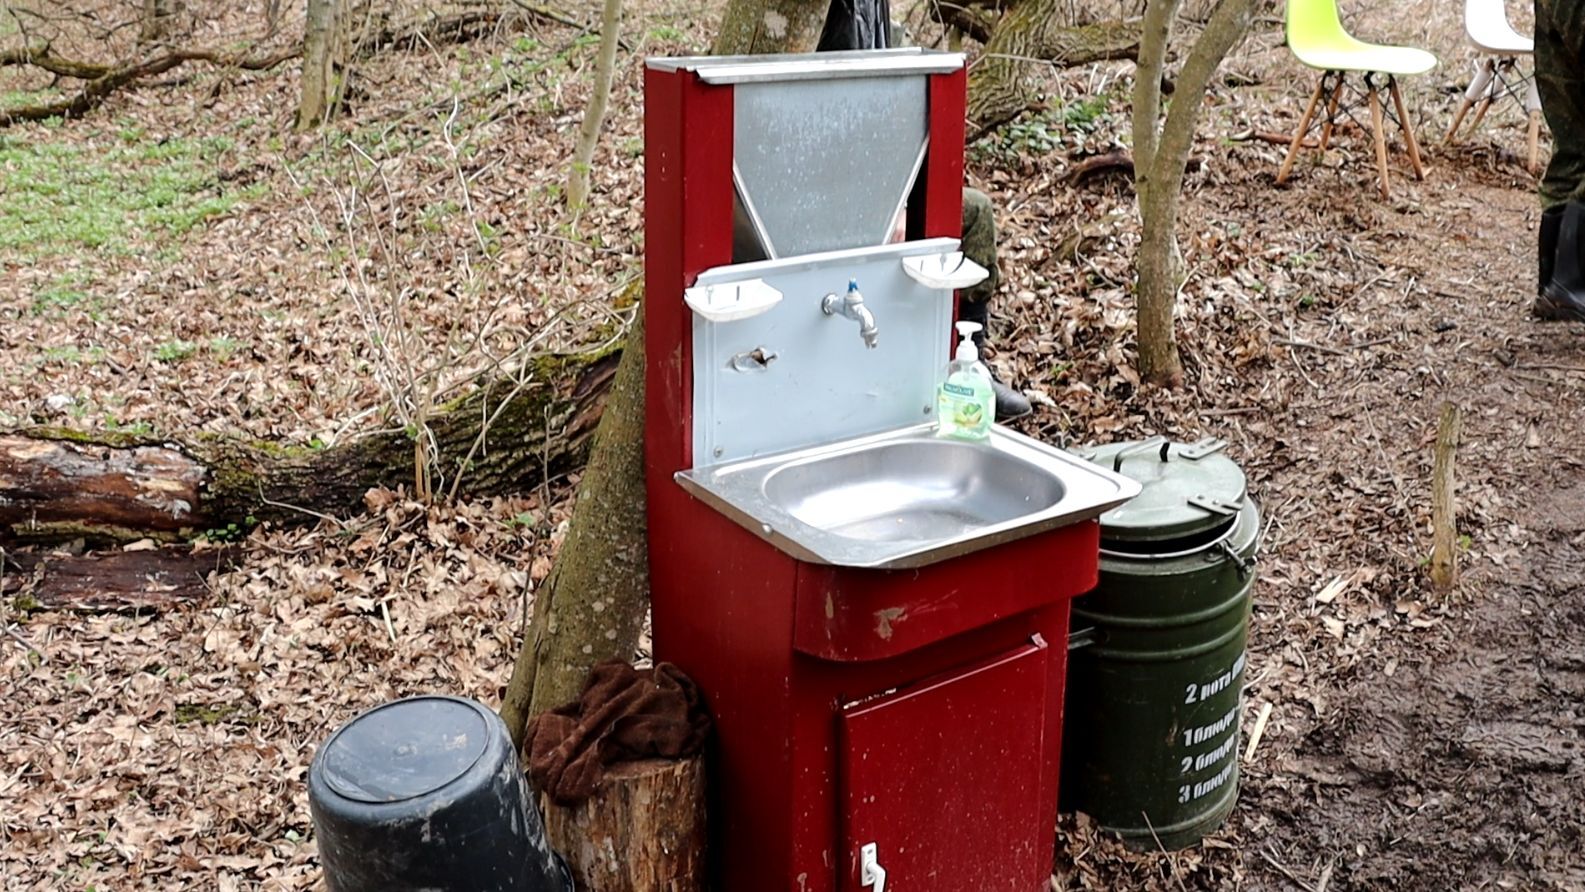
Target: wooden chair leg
point(1480, 114)
point(1298, 135)
point(1331, 114)
point(1464, 106)
point(1535, 141)
point(1407, 127)
point(1485, 73)
point(1378, 132)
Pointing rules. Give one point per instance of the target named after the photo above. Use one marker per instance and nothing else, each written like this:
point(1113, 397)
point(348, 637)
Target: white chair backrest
point(1486, 21)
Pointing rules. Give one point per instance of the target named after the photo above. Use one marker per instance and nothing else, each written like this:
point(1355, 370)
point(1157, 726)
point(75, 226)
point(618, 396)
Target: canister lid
point(1188, 489)
point(405, 749)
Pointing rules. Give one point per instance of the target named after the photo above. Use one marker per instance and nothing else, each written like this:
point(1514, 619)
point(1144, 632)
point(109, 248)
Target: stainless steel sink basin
point(907, 498)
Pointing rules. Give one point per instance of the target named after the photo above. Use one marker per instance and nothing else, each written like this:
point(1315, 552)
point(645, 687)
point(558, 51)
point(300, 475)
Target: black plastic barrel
point(1157, 671)
point(426, 794)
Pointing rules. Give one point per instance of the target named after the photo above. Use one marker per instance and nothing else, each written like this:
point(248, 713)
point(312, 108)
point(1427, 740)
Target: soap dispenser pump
point(965, 403)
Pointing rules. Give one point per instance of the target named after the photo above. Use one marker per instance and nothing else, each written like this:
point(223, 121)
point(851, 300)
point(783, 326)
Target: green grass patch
point(213, 714)
point(58, 197)
point(58, 297)
point(224, 347)
point(1045, 132)
point(175, 351)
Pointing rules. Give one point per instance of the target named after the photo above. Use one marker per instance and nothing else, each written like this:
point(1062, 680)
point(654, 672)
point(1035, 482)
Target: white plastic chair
point(1497, 73)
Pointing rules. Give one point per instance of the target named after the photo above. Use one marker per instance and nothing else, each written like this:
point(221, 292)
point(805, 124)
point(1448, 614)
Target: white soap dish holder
point(949, 270)
point(731, 301)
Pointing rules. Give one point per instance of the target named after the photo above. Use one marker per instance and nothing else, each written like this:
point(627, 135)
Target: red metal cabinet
point(905, 707)
point(937, 776)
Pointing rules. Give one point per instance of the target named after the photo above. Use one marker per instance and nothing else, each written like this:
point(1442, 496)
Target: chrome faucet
point(851, 306)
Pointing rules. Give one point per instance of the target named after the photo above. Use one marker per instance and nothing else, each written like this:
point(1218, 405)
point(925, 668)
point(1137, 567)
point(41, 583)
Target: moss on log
point(1001, 84)
point(57, 484)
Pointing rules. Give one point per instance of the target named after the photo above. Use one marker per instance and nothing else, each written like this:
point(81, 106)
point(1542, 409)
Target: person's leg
point(1560, 80)
point(979, 245)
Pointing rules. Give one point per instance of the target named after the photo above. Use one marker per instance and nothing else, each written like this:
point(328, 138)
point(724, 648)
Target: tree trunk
point(321, 38)
point(594, 115)
point(1161, 153)
point(1157, 289)
point(642, 831)
point(58, 485)
point(592, 606)
point(1000, 84)
point(770, 26)
point(1444, 504)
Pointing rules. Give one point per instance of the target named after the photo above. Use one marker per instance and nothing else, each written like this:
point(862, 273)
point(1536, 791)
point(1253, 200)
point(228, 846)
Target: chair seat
point(1509, 44)
point(1344, 53)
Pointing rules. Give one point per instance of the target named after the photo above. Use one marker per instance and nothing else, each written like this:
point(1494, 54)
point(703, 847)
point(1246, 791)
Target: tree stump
point(643, 831)
point(1444, 505)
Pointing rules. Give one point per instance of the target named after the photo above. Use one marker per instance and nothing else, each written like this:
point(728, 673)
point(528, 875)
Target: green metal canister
point(1156, 671)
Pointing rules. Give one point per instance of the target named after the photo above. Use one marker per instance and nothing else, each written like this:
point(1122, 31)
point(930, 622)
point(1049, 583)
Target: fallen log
point(135, 581)
point(103, 80)
point(1276, 139)
point(1001, 83)
point(57, 485)
point(973, 21)
point(643, 831)
point(1120, 161)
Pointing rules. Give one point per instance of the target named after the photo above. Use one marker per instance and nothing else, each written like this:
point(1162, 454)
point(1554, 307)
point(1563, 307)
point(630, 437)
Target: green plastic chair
point(1317, 39)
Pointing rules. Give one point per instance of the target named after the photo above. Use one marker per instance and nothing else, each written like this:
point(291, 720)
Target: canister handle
point(1201, 448)
point(1078, 639)
point(1141, 446)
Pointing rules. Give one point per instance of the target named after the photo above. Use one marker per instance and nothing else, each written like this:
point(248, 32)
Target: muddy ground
point(1416, 741)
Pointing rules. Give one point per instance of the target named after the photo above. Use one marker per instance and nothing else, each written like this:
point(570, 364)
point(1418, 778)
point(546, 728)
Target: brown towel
point(623, 714)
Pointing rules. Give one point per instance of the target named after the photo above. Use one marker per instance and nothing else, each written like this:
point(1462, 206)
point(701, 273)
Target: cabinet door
point(943, 779)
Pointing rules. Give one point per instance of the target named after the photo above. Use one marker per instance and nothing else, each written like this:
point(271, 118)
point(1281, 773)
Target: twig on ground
point(1283, 869)
point(1549, 367)
point(1303, 373)
point(1397, 483)
point(1336, 351)
point(1257, 731)
point(1233, 410)
point(12, 631)
point(1289, 342)
point(1326, 876)
point(1279, 139)
point(1171, 861)
point(385, 613)
point(301, 510)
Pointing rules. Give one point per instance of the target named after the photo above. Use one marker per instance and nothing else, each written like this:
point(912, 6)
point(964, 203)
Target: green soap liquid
point(965, 406)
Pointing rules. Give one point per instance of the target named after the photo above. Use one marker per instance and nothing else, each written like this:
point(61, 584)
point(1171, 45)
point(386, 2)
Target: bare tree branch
point(100, 87)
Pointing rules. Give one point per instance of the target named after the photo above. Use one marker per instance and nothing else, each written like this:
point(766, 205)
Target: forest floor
point(178, 261)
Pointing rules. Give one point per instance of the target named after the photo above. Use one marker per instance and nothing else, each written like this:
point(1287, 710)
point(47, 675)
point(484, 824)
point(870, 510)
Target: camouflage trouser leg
point(979, 245)
point(1560, 79)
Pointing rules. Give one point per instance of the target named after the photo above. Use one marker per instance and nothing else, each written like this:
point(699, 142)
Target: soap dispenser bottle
point(965, 403)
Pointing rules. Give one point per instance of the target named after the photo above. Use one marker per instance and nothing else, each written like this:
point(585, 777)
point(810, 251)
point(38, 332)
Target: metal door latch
point(756, 360)
point(870, 869)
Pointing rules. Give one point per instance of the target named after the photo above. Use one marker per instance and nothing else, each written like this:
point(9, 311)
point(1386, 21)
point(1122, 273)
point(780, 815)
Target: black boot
point(1562, 294)
point(1546, 258)
point(1010, 403)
